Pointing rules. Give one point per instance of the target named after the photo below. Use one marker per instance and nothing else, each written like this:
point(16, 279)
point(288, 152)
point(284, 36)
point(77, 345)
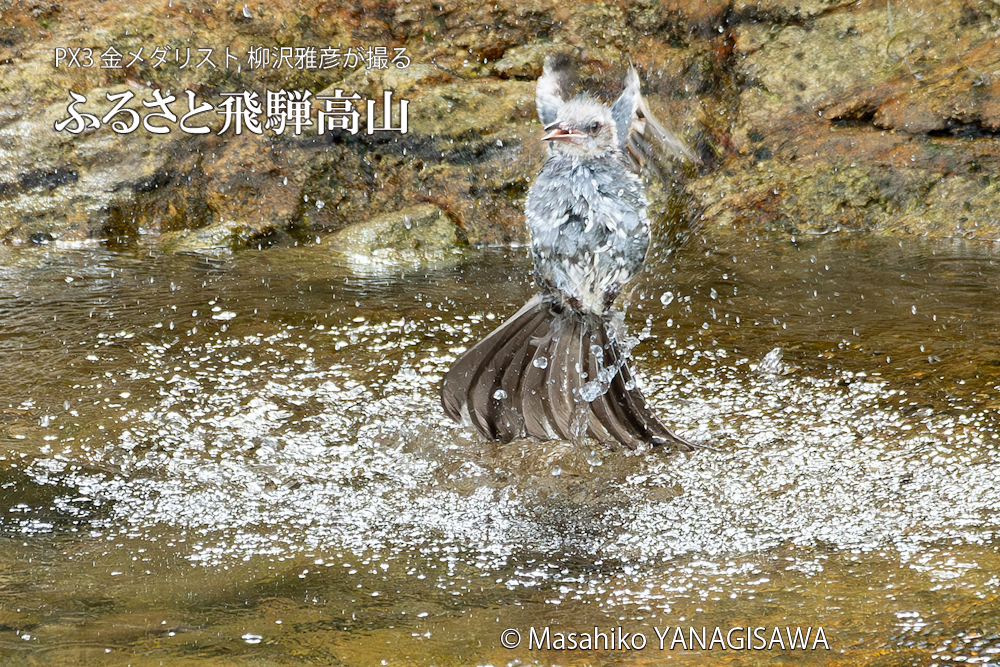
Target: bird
point(557, 369)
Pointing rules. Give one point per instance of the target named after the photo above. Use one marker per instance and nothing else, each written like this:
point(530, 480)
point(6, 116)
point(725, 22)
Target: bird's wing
point(552, 86)
point(641, 137)
point(626, 107)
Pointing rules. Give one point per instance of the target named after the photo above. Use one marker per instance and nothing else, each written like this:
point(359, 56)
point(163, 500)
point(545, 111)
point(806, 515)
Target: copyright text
point(670, 639)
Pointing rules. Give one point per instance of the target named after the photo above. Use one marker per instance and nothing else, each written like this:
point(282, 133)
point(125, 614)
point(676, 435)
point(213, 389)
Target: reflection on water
point(244, 461)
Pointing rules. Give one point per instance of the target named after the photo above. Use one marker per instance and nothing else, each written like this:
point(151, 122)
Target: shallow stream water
point(242, 460)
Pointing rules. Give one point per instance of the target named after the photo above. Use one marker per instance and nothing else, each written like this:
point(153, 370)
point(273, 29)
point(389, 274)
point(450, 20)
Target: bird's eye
point(594, 127)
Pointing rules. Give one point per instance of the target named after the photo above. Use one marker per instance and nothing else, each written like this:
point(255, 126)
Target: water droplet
point(540, 362)
point(667, 298)
point(499, 394)
point(591, 390)
point(771, 363)
point(556, 471)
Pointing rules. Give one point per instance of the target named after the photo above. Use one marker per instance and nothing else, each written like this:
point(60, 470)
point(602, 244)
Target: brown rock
point(810, 115)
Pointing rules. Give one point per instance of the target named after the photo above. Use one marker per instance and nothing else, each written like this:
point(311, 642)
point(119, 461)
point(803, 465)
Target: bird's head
point(583, 128)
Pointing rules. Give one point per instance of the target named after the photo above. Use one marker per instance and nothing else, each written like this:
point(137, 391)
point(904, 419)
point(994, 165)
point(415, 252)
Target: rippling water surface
point(243, 460)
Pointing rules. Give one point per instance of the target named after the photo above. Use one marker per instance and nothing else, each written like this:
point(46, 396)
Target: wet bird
point(557, 368)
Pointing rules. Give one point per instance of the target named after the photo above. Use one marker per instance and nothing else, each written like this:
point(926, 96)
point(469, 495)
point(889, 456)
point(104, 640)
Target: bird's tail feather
point(550, 372)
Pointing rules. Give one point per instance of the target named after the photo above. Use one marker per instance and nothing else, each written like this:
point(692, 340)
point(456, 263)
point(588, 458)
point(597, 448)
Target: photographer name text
point(671, 639)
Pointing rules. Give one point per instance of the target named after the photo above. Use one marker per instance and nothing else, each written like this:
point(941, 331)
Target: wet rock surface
point(811, 117)
point(872, 119)
point(411, 237)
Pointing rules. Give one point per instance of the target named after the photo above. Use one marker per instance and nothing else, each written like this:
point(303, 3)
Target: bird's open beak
point(562, 134)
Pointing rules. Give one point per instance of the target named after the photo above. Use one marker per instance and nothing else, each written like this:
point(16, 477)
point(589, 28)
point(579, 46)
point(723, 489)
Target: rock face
point(867, 117)
point(416, 236)
point(811, 116)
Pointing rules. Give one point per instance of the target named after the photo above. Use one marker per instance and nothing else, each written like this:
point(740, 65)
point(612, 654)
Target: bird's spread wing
point(553, 86)
point(626, 107)
point(641, 137)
